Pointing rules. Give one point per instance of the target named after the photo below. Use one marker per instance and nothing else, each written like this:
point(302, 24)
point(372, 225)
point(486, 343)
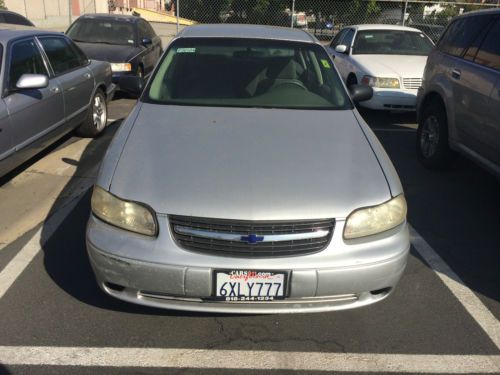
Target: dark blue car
point(129, 43)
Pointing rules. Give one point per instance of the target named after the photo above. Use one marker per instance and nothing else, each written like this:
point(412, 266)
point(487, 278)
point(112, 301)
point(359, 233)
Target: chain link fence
point(324, 18)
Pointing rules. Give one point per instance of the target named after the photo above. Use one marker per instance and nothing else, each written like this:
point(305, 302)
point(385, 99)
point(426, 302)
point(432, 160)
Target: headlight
point(376, 219)
point(383, 83)
point(124, 214)
point(121, 67)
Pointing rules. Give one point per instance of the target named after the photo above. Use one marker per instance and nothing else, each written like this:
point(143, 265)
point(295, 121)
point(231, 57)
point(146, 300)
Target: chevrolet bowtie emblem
point(251, 238)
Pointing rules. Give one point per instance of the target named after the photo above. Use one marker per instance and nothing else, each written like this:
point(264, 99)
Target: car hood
point(403, 66)
point(109, 52)
point(249, 163)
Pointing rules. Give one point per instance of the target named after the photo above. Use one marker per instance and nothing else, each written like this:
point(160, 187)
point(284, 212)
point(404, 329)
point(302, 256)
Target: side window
point(143, 30)
point(25, 59)
point(338, 38)
point(61, 55)
point(151, 31)
point(489, 52)
point(461, 33)
point(81, 55)
point(348, 38)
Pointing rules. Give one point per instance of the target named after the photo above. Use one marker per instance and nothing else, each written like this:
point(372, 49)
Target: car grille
point(412, 83)
point(251, 238)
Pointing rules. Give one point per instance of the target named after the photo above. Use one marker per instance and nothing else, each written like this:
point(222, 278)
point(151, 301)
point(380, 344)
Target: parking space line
point(24, 257)
point(246, 359)
point(488, 322)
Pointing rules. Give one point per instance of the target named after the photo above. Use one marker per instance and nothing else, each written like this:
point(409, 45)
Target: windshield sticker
point(368, 36)
point(186, 50)
point(325, 63)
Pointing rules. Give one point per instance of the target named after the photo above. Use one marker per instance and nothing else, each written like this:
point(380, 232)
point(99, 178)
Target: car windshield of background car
point(391, 42)
point(247, 73)
point(100, 31)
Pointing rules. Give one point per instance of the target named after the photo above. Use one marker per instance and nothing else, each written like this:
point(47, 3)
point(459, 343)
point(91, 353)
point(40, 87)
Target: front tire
point(97, 117)
point(433, 151)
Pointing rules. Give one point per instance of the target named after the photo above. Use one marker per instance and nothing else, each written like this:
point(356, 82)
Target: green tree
point(204, 11)
point(259, 11)
point(2, 5)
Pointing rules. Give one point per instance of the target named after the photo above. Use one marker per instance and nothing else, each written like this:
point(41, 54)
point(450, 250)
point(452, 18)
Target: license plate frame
point(244, 298)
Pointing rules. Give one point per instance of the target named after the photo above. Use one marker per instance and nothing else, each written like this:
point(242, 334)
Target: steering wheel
point(296, 83)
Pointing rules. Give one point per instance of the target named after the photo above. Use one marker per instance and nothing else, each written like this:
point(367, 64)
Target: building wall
point(54, 14)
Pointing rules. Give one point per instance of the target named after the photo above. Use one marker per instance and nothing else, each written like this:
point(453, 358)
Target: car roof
point(383, 27)
point(480, 12)
point(10, 31)
point(247, 32)
point(111, 17)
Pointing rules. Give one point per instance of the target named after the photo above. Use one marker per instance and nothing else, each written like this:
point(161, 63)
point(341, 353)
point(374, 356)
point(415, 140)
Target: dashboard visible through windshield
point(247, 73)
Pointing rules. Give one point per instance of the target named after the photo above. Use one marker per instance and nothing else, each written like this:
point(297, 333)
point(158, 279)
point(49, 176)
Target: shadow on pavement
point(65, 256)
point(457, 211)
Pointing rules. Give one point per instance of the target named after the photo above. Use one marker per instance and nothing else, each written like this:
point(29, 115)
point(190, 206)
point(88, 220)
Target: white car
point(391, 59)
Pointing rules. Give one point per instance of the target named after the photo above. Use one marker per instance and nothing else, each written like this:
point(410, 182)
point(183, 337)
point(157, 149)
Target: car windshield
point(247, 73)
point(391, 42)
point(102, 31)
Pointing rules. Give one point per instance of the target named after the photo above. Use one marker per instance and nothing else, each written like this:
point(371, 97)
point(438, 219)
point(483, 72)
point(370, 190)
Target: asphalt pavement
point(442, 318)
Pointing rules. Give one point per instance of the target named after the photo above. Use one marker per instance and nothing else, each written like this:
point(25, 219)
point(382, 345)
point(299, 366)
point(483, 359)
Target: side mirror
point(131, 85)
point(32, 81)
point(341, 48)
point(360, 93)
point(146, 42)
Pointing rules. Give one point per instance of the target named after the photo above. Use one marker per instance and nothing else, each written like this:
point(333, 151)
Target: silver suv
point(458, 105)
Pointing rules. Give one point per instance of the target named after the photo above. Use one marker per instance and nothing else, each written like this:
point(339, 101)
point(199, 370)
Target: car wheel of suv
point(97, 117)
point(432, 138)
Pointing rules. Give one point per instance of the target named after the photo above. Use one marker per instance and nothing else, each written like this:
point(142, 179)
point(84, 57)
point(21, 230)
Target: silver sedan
point(49, 88)
point(244, 180)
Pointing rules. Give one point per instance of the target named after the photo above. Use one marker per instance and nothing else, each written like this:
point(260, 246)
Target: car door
point(33, 112)
point(71, 70)
point(157, 47)
point(6, 147)
point(482, 121)
point(467, 86)
point(343, 60)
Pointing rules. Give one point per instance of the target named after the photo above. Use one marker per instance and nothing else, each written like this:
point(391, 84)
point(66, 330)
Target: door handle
point(87, 75)
point(456, 73)
point(55, 89)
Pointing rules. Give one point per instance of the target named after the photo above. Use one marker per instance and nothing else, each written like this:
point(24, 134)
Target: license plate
point(243, 286)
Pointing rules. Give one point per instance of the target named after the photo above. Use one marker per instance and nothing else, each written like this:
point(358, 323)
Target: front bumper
point(387, 99)
point(317, 282)
point(115, 78)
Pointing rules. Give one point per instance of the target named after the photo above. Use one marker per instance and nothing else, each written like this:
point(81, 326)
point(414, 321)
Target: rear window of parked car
point(391, 42)
point(248, 73)
point(102, 31)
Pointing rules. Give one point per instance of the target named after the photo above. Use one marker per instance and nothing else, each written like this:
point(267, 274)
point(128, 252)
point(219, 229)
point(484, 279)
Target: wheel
point(97, 116)
point(433, 150)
